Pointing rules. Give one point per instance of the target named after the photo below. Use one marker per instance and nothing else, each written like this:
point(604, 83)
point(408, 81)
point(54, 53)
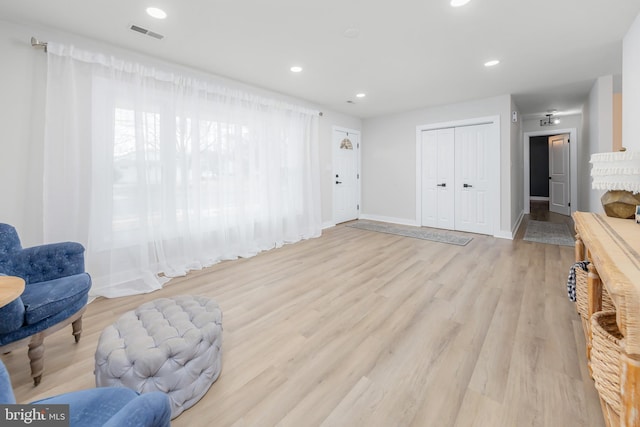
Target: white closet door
point(472, 177)
point(438, 178)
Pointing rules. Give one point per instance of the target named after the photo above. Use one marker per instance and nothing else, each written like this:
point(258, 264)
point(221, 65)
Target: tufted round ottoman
point(172, 345)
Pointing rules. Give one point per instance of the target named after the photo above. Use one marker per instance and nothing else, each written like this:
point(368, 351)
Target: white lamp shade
point(616, 171)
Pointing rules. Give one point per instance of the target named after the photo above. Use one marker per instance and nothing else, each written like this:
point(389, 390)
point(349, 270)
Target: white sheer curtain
point(158, 173)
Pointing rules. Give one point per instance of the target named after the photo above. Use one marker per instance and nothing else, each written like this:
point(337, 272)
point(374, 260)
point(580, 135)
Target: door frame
point(573, 164)
point(333, 169)
point(494, 197)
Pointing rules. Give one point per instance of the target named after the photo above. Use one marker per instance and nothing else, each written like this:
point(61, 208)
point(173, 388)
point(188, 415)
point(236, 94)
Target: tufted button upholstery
point(173, 345)
point(55, 294)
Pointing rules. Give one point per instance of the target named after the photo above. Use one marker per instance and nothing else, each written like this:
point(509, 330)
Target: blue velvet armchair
point(55, 295)
point(106, 406)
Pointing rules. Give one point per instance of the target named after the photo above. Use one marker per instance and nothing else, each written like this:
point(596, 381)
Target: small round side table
point(11, 287)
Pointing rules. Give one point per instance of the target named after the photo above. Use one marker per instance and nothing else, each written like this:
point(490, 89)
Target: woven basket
point(582, 295)
point(605, 358)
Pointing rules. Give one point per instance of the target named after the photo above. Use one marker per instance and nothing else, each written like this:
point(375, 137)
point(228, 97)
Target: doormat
point(415, 232)
point(551, 233)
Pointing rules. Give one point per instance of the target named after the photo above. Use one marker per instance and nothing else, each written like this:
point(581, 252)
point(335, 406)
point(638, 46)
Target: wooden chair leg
point(36, 357)
point(77, 329)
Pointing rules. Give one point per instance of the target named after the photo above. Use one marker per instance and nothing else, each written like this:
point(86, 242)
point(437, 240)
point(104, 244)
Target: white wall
point(601, 102)
point(631, 87)
point(600, 136)
point(584, 173)
point(21, 120)
point(22, 117)
point(389, 158)
point(517, 170)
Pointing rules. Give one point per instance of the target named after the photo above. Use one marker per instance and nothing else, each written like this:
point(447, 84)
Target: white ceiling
point(408, 53)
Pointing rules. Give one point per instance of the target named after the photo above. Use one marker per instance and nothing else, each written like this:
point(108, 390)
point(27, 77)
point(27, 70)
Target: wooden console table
point(613, 247)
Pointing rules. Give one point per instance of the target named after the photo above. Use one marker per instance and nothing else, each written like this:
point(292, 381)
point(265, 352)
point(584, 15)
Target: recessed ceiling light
point(491, 63)
point(296, 69)
point(156, 13)
point(361, 95)
point(458, 3)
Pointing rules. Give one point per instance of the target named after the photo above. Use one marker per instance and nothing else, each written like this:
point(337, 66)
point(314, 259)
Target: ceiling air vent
point(147, 32)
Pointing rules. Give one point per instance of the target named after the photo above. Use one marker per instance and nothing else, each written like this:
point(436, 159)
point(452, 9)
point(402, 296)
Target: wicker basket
point(605, 362)
point(582, 295)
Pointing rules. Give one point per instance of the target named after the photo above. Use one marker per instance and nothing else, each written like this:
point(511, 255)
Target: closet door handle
point(338, 182)
point(467, 185)
point(444, 184)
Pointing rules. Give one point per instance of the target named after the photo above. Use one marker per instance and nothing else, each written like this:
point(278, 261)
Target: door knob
point(467, 185)
point(444, 184)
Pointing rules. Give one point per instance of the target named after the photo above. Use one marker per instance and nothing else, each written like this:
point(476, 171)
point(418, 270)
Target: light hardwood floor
point(358, 328)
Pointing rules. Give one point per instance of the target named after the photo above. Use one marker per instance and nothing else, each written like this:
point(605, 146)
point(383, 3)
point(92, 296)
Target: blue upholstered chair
point(55, 294)
point(107, 406)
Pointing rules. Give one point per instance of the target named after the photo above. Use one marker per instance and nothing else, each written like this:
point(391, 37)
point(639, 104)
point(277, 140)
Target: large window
point(168, 173)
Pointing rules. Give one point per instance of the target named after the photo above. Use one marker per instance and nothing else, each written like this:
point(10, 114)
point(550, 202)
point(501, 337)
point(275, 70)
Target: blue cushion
point(114, 406)
point(107, 406)
point(42, 300)
point(12, 316)
point(56, 288)
point(9, 245)
point(9, 240)
point(29, 330)
point(6, 391)
point(47, 262)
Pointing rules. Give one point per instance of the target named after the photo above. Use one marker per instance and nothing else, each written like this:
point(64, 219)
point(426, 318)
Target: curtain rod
point(37, 43)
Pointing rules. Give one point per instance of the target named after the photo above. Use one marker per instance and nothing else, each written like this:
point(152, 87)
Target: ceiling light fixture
point(491, 63)
point(549, 120)
point(361, 95)
point(296, 69)
point(157, 13)
point(458, 3)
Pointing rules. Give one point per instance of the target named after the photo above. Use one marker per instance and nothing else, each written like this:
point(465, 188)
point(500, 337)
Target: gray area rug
point(415, 232)
point(549, 232)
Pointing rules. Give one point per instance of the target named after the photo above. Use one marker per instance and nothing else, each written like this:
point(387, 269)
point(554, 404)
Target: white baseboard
point(392, 220)
point(511, 235)
point(503, 235)
point(328, 224)
point(500, 234)
point(514, 231)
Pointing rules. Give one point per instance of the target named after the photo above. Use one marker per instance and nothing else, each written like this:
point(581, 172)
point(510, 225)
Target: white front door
point(559, 174)
point(438, 178)
point(472, 177)
point(346, 176)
